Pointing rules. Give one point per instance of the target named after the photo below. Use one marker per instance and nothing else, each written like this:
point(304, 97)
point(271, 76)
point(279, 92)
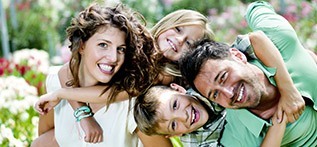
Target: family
point(174, 84)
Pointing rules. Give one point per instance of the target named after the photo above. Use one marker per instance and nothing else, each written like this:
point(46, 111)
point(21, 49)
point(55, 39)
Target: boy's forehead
point(166, 95)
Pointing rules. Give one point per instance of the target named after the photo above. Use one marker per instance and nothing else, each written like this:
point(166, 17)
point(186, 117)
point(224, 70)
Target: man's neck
point(269, 100)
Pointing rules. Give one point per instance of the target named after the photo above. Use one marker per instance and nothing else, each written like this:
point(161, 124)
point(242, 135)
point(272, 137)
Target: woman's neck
point(84, 78)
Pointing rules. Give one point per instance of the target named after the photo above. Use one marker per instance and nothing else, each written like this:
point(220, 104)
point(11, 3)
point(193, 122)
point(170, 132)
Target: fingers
point(39, 107)
point(279, 115)
point(94, 138)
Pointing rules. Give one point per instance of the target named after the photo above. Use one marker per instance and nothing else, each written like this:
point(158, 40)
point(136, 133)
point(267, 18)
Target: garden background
point(33, 38)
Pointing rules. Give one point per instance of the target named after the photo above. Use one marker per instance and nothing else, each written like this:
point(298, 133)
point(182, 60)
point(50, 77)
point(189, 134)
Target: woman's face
point(175, 41)
point(102, 55)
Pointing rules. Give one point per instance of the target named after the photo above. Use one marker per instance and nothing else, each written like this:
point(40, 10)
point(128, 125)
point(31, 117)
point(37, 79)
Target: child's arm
point(274, 136)
point(291, 101)
point(82, 94)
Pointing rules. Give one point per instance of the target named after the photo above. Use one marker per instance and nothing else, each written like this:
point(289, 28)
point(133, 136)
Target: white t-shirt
point(117, 124)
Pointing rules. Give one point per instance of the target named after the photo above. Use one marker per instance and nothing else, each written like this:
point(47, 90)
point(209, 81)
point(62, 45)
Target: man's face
point(230, 83)
point(180, 113)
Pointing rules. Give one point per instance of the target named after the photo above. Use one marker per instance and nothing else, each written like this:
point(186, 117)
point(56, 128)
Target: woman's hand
point(93, 131)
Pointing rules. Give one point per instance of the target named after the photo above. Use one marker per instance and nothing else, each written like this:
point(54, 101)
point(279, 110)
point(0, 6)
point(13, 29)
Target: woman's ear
point(238, 55)
point(178, 88)
point(81, 48)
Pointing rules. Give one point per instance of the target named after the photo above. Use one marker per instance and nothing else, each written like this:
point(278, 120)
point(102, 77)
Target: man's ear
point(238, 55)
point(178, 88)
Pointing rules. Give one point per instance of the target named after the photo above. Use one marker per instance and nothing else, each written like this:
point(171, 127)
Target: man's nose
point(227, 92)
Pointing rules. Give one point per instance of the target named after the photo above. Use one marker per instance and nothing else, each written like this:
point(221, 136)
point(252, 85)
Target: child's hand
point(292, 103)
point(46, 103)
point(93, 131)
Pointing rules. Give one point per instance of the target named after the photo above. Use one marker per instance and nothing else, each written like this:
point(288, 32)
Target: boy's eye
point(104, 45)
point(173, 125)
point(174, 105)
point(121, 50)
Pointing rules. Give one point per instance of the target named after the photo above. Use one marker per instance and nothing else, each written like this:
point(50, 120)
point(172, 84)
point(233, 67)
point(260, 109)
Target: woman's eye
point(104, 45)
point(121, 50)
point(174, 105)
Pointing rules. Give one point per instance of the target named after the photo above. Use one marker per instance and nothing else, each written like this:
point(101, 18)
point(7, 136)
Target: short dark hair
point(193, 60)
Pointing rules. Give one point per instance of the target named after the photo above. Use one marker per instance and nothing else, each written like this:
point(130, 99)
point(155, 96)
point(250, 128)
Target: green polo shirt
point(243, 128)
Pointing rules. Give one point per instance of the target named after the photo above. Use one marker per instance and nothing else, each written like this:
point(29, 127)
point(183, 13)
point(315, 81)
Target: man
point(223, 75)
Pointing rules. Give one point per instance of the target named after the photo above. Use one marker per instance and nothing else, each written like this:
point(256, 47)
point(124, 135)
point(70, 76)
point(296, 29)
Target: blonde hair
point(178, 18)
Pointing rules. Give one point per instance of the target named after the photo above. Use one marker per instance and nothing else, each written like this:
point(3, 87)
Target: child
point(171, 111)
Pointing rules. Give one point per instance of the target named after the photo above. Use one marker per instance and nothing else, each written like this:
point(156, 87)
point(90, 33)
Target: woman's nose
point(112, 55)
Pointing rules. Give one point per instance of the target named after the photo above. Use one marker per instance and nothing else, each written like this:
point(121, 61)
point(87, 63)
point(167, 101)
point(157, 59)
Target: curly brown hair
point(138, 70)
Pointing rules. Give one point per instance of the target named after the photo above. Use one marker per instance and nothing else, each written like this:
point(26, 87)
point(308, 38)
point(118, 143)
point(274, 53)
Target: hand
point(292, 103)
point(282, 122)
point(93, 131)
point(46, 103)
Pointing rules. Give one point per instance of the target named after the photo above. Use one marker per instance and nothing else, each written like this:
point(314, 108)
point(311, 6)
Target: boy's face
point(180, 113)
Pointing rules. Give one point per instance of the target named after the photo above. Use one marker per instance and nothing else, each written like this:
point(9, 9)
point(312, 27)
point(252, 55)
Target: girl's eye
point(121, 50)
point(104, 45)
point(177, 29)
point(174, 105)
point(188, 43)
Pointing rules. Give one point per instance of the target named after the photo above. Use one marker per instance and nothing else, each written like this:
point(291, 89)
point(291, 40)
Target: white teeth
point(172, 45)
point(193, 116)
point(105, 67)
point(240, 94)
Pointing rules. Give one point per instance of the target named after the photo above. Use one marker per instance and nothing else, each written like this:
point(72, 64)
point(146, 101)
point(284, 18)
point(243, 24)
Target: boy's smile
point(180, 113)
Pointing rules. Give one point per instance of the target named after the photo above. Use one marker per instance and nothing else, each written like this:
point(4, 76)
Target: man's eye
point(214, 96)
point(104, 45)
point(223, 78)
point(174, 105)
point(121, 50)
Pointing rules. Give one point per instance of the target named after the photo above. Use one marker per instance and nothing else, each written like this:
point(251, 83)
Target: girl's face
point(175, 41)
point(102, 55)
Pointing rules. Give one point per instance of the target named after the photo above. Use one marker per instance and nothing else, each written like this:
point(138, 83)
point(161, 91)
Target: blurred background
point(33, 38)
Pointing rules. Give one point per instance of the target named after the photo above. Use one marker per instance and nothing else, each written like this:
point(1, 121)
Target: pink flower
point(306, 8)
point(4, 65)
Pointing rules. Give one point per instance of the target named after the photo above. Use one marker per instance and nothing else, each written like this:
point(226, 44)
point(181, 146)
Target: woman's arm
point(291, 101)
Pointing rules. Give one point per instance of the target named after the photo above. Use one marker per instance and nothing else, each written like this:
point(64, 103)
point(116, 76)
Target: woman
point(108, 46)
